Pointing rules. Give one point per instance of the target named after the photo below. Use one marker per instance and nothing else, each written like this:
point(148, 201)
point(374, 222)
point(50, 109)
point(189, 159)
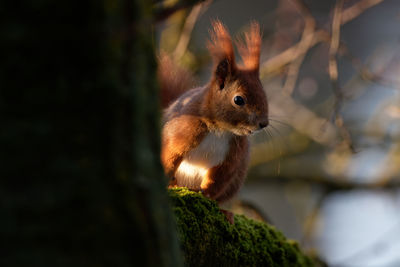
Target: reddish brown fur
point(249, 48)
point(180, 135)
point(220, 45)
point(224, 180)
point(212, 110)
point(174, 80)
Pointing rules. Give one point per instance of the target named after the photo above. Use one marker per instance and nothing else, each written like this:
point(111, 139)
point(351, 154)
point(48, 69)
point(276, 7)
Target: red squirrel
point(205, 130)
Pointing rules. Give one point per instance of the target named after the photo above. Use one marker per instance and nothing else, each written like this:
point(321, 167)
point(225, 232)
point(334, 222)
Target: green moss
point(207, 239)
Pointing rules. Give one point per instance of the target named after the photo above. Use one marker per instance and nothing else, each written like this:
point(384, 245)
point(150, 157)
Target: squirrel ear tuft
point(249, 47)
point(221, 50)
point(222, 71)
point(220, 44)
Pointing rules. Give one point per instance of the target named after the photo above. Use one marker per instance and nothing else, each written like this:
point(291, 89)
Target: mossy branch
point(162, 11)
point(207, 239)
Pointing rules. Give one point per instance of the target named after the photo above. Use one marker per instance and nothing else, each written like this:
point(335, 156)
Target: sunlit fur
point(204, 137)
point(210, 152)
point(249, 47)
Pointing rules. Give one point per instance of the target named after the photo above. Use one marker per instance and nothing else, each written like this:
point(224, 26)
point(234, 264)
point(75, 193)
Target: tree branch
point(303, 47)
point(277, 62)
point(162, 12)
point(333, 184)
point(190, 21)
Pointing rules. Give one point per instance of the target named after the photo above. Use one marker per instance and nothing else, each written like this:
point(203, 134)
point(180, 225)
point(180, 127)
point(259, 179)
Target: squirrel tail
point(174, 80)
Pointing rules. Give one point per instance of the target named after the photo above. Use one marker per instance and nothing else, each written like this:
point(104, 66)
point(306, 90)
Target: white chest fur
point(209, 153)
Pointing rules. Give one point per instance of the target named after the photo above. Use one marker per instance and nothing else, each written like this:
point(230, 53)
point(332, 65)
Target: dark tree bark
point(80, 178)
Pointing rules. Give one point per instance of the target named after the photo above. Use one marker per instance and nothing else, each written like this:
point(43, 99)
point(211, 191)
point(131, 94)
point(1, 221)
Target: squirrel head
point(236, 99)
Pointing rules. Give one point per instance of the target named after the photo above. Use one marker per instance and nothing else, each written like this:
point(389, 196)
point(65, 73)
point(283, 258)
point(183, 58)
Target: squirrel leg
point(213, 184)
point(224, 180)
point(211, 189)
point(233, 187)
point(177, 141)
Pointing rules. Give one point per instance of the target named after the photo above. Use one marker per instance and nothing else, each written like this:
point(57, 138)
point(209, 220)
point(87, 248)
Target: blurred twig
point(188, 28)
point(333, 185)
point(277, 62)
point(163, 11)
point(365, 73)
point(357, 9)
point(304, 45)
point(295, 55)
point(296, 113)
point(334, 44)
point(333, 74)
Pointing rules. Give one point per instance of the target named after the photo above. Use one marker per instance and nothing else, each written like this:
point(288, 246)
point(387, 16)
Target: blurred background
point(326, 172)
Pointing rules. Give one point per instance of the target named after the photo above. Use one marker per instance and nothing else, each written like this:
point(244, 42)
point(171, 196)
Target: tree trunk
point(81, 182)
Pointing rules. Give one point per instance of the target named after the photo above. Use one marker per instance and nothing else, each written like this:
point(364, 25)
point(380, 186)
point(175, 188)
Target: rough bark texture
point(80, 178)
point(207, 238)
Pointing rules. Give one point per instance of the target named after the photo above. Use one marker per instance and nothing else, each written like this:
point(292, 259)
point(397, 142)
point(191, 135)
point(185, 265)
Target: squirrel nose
point(263, 124)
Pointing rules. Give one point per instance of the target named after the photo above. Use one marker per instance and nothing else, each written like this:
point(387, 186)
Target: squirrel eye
point(238, 100)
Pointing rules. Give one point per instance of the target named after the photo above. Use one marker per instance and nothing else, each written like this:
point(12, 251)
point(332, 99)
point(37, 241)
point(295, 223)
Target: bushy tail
point(173, 79)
